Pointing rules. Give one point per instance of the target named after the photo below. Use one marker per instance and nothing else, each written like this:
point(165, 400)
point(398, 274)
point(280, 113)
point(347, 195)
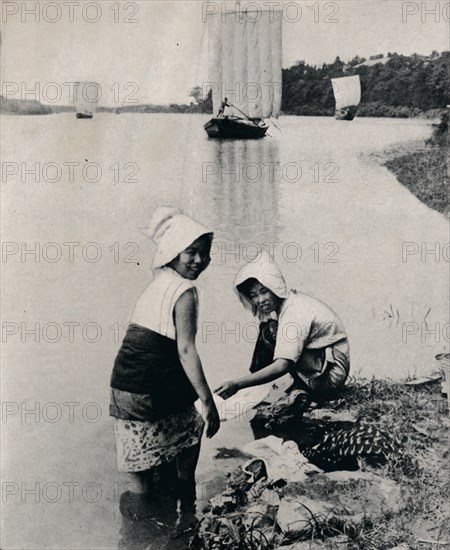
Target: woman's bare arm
point(277, 369)
point(185, 316)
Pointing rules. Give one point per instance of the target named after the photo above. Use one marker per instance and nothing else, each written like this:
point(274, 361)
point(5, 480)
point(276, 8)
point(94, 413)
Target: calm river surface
point(340, 225)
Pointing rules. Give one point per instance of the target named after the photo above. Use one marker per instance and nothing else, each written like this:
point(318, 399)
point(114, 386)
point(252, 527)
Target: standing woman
point(158, 374)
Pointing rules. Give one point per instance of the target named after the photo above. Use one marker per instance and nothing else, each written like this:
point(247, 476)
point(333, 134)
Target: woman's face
point(194, 259)
point(264, 299)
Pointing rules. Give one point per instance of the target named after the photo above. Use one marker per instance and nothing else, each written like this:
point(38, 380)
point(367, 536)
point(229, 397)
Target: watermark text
point(70, 11)
point(69, 172)
point(289, 12)
point(436, 12)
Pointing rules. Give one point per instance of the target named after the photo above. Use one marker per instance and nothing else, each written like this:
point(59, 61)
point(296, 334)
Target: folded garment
point(282, 459)
point(361, 440)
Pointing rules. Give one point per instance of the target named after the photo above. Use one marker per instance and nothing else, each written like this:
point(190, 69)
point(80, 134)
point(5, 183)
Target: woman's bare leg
point(186, 465)
point(187, 462)
point(134, 503)
point(140, 482)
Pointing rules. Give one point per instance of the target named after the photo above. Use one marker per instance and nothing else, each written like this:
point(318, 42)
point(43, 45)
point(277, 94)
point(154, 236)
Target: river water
point(315, 193)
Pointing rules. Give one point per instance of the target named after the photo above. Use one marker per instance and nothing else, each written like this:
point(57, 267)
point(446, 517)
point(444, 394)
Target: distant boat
point(245, 64)
point(347, 93)
point(85, 114)
point(86, 103)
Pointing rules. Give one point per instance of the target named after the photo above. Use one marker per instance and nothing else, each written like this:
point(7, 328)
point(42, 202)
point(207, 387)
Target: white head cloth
point(266, 271)
point(173, 232)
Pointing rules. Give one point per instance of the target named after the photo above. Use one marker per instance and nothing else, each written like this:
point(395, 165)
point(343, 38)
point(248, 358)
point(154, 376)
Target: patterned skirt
point(141, 444)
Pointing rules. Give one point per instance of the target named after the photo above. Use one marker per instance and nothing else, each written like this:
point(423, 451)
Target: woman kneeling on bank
point(298, 335)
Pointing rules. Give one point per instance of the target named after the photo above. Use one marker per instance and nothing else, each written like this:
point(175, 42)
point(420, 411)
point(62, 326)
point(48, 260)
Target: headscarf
point(172, 231)
point(266, 271)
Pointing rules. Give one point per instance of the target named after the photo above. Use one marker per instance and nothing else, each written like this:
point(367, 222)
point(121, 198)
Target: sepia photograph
point(225, 275)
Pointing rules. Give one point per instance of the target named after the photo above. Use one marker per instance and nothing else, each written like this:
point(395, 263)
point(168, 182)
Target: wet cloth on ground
point(361, 440)
point(282, 459)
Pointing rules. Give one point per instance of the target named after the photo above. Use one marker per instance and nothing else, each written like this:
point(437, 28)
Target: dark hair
point(244, 288)
point(210, 236)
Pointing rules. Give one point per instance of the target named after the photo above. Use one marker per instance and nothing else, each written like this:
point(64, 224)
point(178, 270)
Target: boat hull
point(234, 128)
point(348, 113)
point(84, 115)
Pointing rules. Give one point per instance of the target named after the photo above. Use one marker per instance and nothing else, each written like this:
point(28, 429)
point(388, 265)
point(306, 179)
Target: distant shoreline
point(392, 86)
point(365, 111)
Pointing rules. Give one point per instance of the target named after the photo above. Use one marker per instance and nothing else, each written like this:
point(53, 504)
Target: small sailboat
point(347, 93)
point(86, 101)
point(245, 59)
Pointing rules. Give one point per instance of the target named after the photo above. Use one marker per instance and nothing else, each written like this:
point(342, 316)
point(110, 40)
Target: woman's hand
point(227, 389)
point(212, 420)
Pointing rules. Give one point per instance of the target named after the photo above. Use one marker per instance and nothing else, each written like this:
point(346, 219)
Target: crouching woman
point(298, 334)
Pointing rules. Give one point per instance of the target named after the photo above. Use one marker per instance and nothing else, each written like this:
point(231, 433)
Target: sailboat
point(245, 59)
point(347, 93)
point(85, 104)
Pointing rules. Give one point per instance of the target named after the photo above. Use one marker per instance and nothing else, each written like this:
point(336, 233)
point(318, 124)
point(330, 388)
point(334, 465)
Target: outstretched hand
point(227, 389)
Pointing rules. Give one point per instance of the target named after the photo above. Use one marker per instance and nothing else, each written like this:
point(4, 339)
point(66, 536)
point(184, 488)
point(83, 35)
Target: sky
point(162, 51)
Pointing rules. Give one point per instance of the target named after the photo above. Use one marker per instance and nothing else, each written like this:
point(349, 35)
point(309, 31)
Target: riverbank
point(425, 173)
point(396, 500)
point(374, 109)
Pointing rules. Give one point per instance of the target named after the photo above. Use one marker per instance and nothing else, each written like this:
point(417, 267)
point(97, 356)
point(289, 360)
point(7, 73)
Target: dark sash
point(148, 364)
point(265, 345)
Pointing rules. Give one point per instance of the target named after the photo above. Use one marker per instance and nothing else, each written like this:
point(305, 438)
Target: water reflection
point(147, 534)
point(241, 186)
point(141, 534)
point(151, 523)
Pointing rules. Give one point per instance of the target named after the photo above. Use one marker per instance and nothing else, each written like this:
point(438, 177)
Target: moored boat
point(234, 127)
point(245, 65)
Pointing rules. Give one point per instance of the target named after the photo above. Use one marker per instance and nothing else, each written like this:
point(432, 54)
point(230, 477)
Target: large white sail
point(347, 91)
point(245, 61)
point(87, 95)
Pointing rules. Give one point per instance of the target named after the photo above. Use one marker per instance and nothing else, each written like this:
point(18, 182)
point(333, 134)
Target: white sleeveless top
point(154, 309)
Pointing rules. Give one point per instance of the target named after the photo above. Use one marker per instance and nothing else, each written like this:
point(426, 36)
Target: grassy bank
point(417, 416)
point(425, 173)
point(375, 109)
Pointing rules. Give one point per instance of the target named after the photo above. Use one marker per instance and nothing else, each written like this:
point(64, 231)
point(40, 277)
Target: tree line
point(392, 86)
point(396, 86)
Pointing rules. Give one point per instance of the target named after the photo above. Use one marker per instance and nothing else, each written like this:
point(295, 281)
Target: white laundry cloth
point(283, 459)
point(240, 404)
